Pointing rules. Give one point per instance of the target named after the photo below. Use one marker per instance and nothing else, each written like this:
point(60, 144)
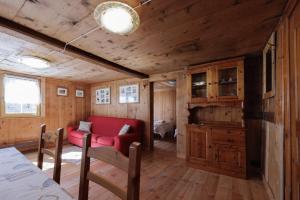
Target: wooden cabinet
point(221, 150)
point(217, 82)
point(199, 143)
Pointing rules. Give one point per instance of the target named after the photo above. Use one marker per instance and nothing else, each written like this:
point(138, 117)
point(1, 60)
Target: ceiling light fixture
point(117, 17)
point(34, 62)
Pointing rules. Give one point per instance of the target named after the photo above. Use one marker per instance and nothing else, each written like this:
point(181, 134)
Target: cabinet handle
point(216, 156)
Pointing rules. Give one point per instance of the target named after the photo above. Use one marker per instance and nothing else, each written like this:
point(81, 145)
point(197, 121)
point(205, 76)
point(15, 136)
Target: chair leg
point(85, 167)
point(41, 146)
point(58, 153)
point(133, 191)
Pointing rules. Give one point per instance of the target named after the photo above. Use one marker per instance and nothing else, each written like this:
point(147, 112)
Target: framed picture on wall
point(129, 93)
point(103, 96)
point(79, 93)
point(62, 91)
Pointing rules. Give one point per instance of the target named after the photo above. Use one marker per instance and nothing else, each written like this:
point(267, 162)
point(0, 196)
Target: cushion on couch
point(80, 134)
point(85, 126)
point(124, 129)
point(76, 134)
point(106, 141)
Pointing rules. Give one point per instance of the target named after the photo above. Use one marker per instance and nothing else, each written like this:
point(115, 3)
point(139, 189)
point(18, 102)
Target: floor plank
point(163, 176)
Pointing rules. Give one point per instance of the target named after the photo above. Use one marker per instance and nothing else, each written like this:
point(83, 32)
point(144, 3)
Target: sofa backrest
point(110, 126)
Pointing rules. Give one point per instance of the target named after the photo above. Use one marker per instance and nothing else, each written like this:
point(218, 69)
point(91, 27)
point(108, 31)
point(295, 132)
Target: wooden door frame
point(152, 80)
point(289, 103)
point(152, 107)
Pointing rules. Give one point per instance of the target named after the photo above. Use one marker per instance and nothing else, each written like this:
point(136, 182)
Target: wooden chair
point(110, 155)
point(58, 140)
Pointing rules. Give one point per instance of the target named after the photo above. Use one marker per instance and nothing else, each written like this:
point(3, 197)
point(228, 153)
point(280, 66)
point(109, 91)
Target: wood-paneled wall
point(139, 110)
point(165, 105)
point(182, 112)
point(142, 110)
point(59, 111)
point(274, 122)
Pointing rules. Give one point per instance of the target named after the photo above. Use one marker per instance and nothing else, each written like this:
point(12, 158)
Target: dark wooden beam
point(70, 50)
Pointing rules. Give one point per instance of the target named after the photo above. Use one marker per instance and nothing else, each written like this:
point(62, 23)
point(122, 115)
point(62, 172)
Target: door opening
point(164, 114)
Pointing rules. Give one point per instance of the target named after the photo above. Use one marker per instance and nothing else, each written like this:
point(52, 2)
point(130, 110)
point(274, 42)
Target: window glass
point(21, 95)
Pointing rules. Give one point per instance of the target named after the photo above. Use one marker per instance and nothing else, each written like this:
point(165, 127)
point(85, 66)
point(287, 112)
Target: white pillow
point(124, 129)
point(85, 126)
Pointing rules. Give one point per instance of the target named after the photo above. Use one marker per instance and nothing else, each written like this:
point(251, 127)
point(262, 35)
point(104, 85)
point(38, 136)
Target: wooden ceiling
point(62, 66)
point(173, 34)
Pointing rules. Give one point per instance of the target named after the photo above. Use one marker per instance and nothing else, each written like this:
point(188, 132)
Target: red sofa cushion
point(110, 126)
point(106, 141)
point(80, 134)
point(76, 134)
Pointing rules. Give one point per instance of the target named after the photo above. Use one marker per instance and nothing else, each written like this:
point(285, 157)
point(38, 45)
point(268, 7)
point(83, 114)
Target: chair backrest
point(110, 155)
point(56, 138)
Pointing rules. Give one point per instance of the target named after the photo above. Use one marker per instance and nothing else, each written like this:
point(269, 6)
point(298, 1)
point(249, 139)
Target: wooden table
point(20, 179)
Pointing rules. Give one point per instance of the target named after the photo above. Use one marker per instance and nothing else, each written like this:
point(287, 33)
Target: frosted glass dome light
point(34, 62)
point(117, 17)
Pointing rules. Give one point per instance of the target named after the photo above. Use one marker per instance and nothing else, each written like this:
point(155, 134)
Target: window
point(22, 95)
point(269, 71)
point(269, 66)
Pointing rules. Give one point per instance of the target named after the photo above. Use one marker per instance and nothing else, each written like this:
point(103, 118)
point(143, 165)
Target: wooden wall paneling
point(133, 110)
point(279, 170)
point(165, 105)
point(281, 104)
point(181, 113)
point(56, 112)
point(62, 111)
point(283, 31)
point(294, 43)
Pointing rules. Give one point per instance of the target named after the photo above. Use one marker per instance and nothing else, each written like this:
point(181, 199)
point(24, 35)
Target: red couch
point(105, 133)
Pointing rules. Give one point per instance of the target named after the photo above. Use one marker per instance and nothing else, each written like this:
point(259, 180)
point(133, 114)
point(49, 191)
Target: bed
point(162, 128)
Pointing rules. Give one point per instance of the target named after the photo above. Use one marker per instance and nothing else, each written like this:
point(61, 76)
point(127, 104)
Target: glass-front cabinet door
point(199, 86)
point(229, 81)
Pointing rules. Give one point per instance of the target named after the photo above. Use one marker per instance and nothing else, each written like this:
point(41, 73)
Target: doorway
point(164, 114)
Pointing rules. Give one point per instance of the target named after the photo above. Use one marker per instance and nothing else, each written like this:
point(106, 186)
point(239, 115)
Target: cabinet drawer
point(233, 137)
point(228, 131)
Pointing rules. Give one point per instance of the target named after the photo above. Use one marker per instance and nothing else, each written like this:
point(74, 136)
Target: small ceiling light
point(117, 17)
point(34, 62)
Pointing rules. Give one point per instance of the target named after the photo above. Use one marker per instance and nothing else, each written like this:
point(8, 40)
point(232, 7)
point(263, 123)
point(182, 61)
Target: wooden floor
point(164, 177)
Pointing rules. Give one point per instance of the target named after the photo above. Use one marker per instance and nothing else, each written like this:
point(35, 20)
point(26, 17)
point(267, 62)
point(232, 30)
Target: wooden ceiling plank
point(167, 38)
point(71, 50)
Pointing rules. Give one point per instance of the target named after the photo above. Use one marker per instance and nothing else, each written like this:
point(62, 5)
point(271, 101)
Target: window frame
point(38, 113)
point(270, 46)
